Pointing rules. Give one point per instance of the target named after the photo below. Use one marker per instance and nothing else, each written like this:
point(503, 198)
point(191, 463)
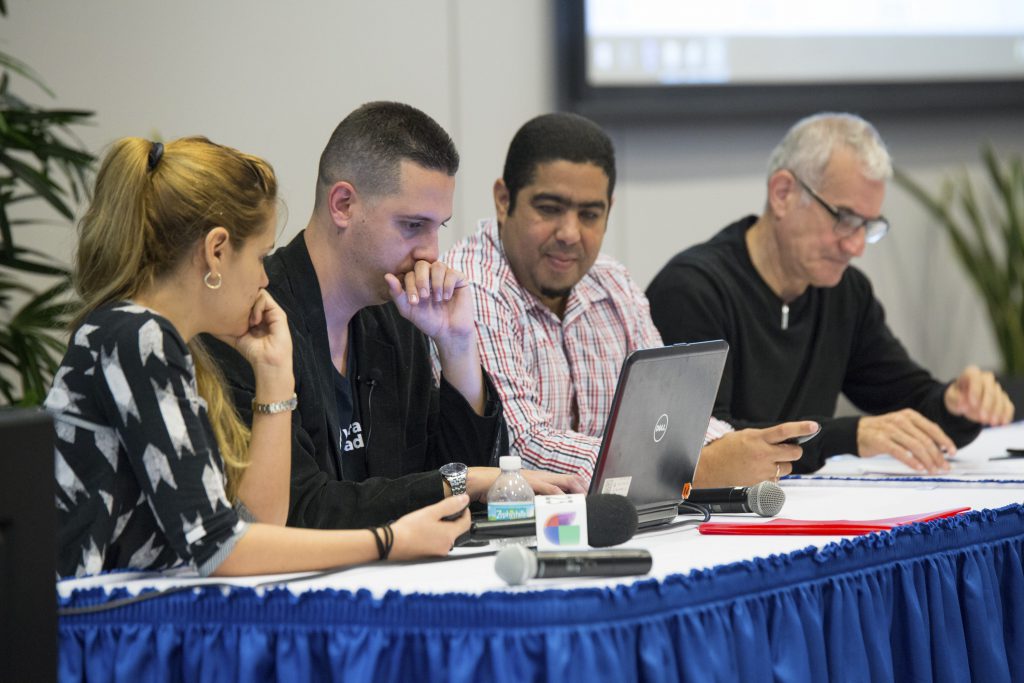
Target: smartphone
point(801, 440)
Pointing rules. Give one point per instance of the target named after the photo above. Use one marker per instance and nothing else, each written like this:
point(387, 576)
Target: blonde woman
point(154, 468)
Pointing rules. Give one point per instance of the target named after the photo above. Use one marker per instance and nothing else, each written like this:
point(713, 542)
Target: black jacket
point(411, 425)
point(835, 340)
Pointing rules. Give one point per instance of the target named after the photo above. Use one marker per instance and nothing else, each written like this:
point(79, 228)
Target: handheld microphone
point(766, 499)
point(611, 520)
point(516, 564)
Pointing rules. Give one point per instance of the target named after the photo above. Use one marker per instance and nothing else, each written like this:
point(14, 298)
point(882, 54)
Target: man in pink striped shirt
point(556, 318)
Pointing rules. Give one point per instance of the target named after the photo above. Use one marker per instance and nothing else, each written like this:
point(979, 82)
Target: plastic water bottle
point(510, 497)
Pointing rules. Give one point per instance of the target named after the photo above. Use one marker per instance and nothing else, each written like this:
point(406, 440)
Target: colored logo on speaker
point(560, 530)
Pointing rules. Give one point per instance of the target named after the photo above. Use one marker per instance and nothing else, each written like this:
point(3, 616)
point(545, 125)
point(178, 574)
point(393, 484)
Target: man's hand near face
point(437, 300)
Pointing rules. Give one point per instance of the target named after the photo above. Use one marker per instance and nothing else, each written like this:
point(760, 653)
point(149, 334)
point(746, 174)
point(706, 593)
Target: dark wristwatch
point(455, 474)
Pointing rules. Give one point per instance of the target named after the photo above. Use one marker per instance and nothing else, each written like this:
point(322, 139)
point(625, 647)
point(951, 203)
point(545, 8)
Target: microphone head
point(766, 498)
point(516, 565)
point(611, 519)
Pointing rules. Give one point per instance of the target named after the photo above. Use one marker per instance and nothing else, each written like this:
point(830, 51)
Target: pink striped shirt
point(539, 362)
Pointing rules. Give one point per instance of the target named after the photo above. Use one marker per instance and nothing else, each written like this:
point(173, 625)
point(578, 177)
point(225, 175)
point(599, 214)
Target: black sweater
point(836, 341)
point(412, 426)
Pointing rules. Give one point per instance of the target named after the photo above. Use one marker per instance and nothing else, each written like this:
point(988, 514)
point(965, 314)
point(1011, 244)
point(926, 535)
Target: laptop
point(655, 429)
point(656, 426)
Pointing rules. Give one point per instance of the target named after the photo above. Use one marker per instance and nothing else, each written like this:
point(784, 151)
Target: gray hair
point(809, 144)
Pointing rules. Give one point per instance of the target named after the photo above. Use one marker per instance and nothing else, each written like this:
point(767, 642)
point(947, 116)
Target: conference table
point(939, 600)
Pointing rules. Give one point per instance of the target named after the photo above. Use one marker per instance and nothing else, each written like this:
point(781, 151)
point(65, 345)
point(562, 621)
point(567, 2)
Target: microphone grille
point(611, 519)
point(515, 565)
point(766, 498)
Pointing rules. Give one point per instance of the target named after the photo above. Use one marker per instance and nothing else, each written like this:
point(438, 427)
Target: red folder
point(821, 527)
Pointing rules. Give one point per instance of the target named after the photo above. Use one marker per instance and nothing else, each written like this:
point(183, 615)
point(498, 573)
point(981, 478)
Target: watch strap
point(277, 407)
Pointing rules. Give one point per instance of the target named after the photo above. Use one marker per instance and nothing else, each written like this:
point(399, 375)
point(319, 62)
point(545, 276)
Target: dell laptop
point(656, 426)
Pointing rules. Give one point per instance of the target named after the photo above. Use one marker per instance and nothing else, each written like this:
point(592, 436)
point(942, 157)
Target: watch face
point(455, 474)
point(453, 469)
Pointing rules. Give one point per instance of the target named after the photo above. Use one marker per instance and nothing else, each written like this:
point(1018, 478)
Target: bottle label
point(503, 512)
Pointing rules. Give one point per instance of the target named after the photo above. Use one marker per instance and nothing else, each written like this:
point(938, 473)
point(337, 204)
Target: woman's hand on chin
point(267, 344)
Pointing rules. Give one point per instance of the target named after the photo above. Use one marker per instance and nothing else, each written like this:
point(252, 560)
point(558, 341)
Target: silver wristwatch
point(276, 407)
point(455, 474)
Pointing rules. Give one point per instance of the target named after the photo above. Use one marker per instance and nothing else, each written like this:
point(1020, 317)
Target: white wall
point(274, 78)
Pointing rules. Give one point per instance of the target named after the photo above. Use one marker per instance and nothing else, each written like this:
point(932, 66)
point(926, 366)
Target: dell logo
point(660, 428)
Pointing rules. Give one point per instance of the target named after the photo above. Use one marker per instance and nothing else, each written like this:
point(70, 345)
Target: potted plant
point(40, 159)
point(986, 229)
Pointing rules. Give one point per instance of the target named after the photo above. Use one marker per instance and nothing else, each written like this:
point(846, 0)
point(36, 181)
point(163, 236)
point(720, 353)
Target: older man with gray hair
point(803, 325)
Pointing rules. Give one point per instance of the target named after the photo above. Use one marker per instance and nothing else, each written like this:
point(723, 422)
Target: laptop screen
point(659, 416)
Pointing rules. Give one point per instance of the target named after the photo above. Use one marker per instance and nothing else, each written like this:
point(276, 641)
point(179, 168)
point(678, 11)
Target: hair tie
point(156, 152)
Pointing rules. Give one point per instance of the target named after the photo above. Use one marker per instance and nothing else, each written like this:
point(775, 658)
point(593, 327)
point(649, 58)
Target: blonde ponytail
point(110, 262)
point(144, 219)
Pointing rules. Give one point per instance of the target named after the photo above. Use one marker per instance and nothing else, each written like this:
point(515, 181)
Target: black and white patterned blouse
point(140, 479)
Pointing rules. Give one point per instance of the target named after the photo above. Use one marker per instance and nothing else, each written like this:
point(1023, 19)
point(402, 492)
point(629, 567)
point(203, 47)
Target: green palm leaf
point(986, 229)
point(40, 158)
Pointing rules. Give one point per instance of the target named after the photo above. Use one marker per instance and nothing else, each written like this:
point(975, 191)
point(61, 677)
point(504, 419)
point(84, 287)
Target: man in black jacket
point(803, 325)
point(366, 297)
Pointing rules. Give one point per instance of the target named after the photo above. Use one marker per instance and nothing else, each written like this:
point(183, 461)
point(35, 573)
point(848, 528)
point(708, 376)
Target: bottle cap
point(510, 462)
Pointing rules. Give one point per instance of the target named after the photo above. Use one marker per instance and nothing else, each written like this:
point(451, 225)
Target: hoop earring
point(208, 277)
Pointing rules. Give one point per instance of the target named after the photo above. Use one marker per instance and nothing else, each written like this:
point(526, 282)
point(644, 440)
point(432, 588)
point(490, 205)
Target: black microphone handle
point(488, 530)
point(734, 499)
point(725, 508)
point(765, 499)
point(621, 562)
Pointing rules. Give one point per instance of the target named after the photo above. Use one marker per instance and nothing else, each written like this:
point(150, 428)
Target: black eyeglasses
point(848, 222)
